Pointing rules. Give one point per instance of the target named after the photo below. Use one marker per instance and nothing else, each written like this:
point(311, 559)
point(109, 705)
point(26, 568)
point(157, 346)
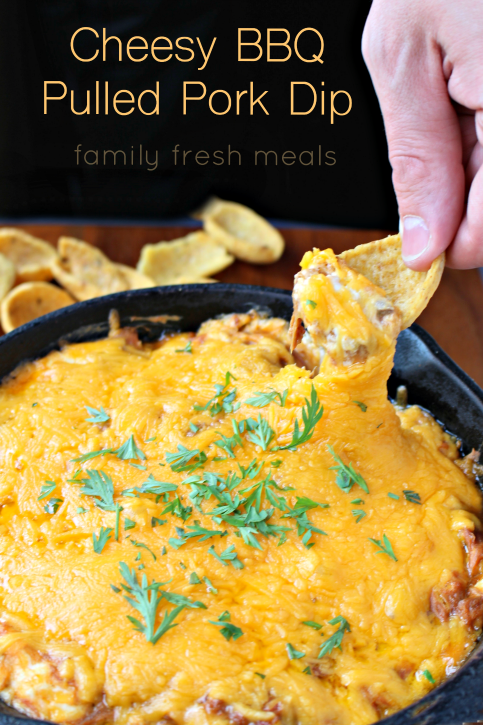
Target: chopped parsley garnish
point(186, 460)
point(195, 530)
point(181, 599)
point(98, 416)
point(314, 625)
point(140, 545)
point(336, 639)
point(358, 501)
point(227, 556)
point(394, 496)
point(362, 406)
point(427, 674)
point(384, 546)
point(265, 487)
point(293, 654)
point(99, 485)
point(346, 475)
point(47, 489)
point(358, 514)
point(312, 412)
point(151, 485)
point(228, 630)
point(412, 496)
point(52, 505)
point(307, 671)
point(129, 450)
point(100, 541)
point(194, 578)
point(81, 510)
point(139, 466)
point(34, 405)
point(93, 454)
point(193, 428)
point(146, 599)
point(277, 463)
point(311, 304)
point(222, 400)
point(188, 348)
point(261, 434)
point(156, 522)
point(118, 521)
point(150, 440)
point(260, 399)
point(304, 526)
point(210, 586)
point(259, 674)
point(228, 444)
point(115, 589)
point(176, 507)
point(129, 524)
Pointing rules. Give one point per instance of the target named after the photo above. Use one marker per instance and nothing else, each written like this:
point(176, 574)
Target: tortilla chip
point(135, 279)
point(86, 272)
point(7, 275)
point(382, 264)
point(31, 257)
point(193, 257)
point(244, 233)
point(31, 300)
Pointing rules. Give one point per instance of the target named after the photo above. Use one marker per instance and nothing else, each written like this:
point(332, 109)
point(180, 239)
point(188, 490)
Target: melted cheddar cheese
point(68, 651)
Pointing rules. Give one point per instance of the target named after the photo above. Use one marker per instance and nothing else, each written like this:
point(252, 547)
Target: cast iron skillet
point(433, 381)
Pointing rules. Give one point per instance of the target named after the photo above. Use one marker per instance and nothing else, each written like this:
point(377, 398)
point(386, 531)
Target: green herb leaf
point(210, 586)
point(311, 303)
point(362, 406)
point(394, 496)
point(100, 541)
point(46, 489)
point(194, 428)
point(312, 412)
point(156, 522)
point(228, 630)
point(81, 510)
point(176, 508)
point(186, 460)
point(99, 485)
point(140, 545)
point(307, 671)
point(260, 399)
point(227, 556)
point(314, 625)
point(52, 505)
point(151, 485)
point(188, 348)
point(412, 496)
point(118, 521)
point(194, 578)
point(346, 475)
point(129, 524)
point(293, 654)
point(262, 434)
point(146, 599)
point(129, 450)
point(358, 501)
point(98, 416)
point(260, 675)
point(429, 677)
point(384, 546)
point(93, 454)
point(359, 514)
point(336, 639)
point(115, 589)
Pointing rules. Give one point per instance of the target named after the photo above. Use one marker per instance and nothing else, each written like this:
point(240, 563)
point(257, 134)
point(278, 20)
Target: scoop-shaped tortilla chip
point(29, 301)
point(382, 264)
point(31, 257)
point(7, 275)
point(135, 279)
point(194, 257)
point(86, 272)
point(243, 232)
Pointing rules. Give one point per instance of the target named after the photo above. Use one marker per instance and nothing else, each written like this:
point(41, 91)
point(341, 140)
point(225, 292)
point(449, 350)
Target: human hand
point(426, 62)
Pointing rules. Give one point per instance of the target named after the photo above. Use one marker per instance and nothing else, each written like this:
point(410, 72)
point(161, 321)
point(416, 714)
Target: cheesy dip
point(211, 529)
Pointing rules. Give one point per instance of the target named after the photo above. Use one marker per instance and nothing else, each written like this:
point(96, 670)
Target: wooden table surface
point(454, 317)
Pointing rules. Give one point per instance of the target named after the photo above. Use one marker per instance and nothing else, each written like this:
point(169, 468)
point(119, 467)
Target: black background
point(38, 172)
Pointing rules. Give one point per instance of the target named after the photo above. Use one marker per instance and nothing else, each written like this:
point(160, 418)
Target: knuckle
point(409, 171)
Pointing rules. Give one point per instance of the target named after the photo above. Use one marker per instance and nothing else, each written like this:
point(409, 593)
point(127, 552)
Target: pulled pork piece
point(240, 715)
point(444, 599)
point(338, 313)
point(474, 547)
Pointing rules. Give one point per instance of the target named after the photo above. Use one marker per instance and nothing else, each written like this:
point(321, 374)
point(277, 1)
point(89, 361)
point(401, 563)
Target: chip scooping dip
point(30, 300)
point(192, 257)
point(31, 257)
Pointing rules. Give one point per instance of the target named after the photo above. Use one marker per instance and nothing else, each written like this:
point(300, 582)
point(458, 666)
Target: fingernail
point(415, 237)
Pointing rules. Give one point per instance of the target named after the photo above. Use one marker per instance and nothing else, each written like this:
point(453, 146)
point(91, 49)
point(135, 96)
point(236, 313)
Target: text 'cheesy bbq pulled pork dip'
point(211, 530)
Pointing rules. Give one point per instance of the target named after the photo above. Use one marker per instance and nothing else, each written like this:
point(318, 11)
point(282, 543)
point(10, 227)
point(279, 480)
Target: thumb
point(425, 148)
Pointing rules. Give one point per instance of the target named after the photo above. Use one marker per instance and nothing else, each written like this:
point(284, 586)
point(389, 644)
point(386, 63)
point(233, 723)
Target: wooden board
point(454, 316)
